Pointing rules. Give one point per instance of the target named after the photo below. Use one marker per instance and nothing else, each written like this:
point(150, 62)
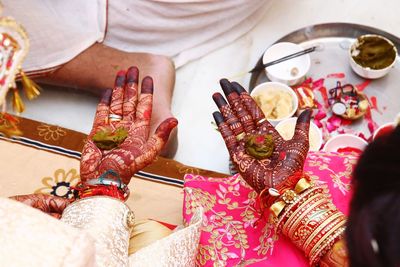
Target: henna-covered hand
point(138, 149)
point(49, 204)
point(241, 116)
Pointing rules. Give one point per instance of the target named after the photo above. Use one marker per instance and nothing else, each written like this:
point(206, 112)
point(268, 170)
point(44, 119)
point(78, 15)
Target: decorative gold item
point(347, 102)
point(14, 46)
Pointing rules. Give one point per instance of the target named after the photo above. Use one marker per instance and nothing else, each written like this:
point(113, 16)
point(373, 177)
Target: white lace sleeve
point(29, 237)
point(177, 249)
point(105, 219)
point(108, 221)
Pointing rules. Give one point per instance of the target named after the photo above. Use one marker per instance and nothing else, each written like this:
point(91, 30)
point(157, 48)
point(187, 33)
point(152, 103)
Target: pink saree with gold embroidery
point(237, 233)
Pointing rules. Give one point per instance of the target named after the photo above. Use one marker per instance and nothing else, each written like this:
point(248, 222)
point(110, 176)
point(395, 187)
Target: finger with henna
point(155, 144)
point(303, 125)
point(130, 94)
point(227, 134)
point(102, 111)
point(145, 105)
point(229, 116)
point(117, 97)
point(249, 103)
point(236, 104)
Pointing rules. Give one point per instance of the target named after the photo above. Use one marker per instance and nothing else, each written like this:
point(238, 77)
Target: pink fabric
point(235, 232)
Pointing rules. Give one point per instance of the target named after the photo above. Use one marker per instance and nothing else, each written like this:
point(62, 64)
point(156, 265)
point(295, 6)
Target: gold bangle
point(329, 220)
point(303, 210)
point(323, 238)
point(307, 216)
point(302, 185)
point(276, 208)
point(311, 191)
point(301, 197)
point(321, 251)
point(293, 232)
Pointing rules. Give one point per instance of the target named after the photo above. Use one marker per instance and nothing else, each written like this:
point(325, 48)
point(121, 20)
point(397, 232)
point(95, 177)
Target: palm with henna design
point(138, 149)
point(241, 116)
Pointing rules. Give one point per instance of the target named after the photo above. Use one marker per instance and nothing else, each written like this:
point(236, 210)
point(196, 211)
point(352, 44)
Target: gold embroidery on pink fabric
point(224, 230)
point(340, 179)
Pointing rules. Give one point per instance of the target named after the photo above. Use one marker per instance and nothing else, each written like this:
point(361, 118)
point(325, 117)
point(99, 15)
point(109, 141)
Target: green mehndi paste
point(374, 52)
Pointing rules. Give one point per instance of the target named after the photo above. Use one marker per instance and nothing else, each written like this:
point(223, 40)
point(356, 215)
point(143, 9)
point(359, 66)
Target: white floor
point(199, 144)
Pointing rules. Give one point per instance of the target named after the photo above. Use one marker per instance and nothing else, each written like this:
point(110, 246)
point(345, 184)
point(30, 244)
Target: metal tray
point(335, 40)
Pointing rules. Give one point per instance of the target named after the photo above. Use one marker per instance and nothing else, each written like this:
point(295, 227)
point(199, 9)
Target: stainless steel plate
point(335, 40)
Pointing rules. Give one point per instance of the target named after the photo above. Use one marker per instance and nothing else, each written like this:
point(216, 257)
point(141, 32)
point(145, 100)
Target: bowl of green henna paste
point(372, 56)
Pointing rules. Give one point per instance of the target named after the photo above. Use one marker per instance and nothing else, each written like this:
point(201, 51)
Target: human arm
point(241, 118)
point(275, 178)
point(49, 204)
point(138, 149)
point(109, 161)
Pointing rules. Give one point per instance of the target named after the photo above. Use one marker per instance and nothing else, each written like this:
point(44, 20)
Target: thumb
point(302, 126)
point(44, 202)
point(164, 130)
point(155, 143)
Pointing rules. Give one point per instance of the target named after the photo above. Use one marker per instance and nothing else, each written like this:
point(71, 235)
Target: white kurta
point(91, 232)
point(184, 30)
point(58, 30)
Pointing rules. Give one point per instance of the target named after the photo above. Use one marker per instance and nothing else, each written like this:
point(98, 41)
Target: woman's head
point(373, 232)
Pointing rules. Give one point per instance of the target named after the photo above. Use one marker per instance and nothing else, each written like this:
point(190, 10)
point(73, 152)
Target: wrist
point(84, 190)
point(298, 182)
point(108, 184)
point(307, 216)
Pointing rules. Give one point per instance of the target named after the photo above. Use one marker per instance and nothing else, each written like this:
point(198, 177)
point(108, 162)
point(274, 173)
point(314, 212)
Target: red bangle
point(85, 190)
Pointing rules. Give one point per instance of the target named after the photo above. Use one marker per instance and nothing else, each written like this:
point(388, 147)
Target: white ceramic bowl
point(344, 140)
point(315, 134)
point(281, 72)
point(369, 73)
point(266, 87)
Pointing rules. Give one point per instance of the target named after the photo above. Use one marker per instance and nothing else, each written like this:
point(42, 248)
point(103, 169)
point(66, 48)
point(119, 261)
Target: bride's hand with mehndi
point(262, 157)
point(49, 204)
point(119, 144)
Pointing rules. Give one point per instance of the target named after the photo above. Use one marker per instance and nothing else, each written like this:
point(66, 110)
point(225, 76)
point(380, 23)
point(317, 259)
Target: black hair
point(373, 229)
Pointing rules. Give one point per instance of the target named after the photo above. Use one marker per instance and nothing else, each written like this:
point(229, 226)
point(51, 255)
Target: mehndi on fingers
point(130, 94)
point(236, 104)
point(264, 159)
point(119, 141)
point(229, 115)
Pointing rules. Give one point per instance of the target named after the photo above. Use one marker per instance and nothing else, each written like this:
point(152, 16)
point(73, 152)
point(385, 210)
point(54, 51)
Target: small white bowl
point(282, 72)
point(266, 87)
point(367, 72)
point(315, 135)
point(344, 140)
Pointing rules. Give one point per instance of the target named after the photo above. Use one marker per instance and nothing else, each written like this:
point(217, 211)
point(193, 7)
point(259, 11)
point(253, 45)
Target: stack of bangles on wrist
point(102, 187)
point(307, 216)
